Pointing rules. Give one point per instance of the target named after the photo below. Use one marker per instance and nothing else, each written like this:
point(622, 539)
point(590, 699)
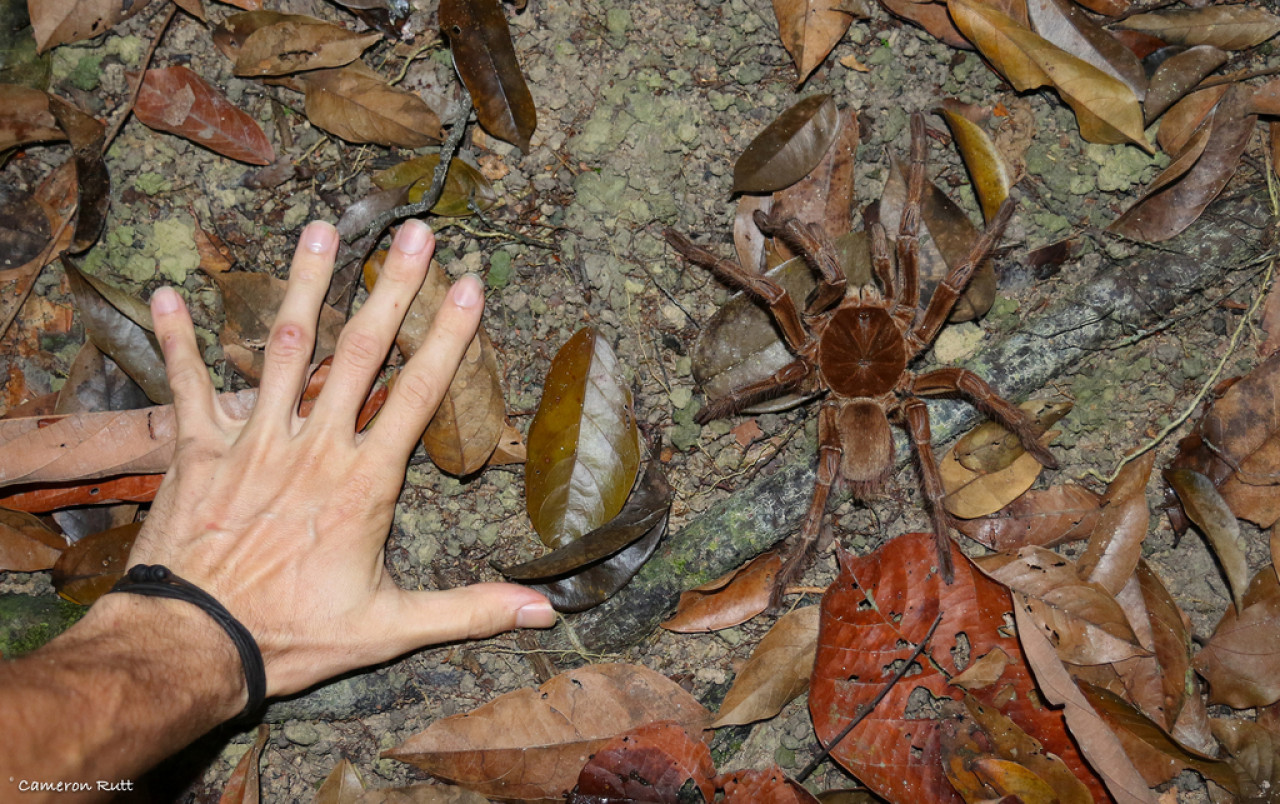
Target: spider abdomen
point(861, 352)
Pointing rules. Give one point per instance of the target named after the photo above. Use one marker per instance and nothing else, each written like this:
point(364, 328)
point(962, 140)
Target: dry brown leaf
point(342, 786)
point(825, 196)
point(1205, 507)
point(811, 28)
point(985, 671)
point(58, 22)
point(295, 43)
point(987, 169)
point(1178, 75)
point(1045, 517)
point(532, 743)
point(777, 672)
point(356, 104)
point(251, 301)
point(25, 117)
point(26, 543)
point(244, 786)
point(1184, 119)
point(1065, 25)
point(1116, 542)
point(91, 566)
point(82, 446)
point(1241, 661)
point(1172, 207)
point(177, 100)
point(933, 17)
point(729, 600)
point(1097, 742)
point(748, 240)
point(1156, 684)
point(1082, 620)
point(973, 494)
point(1229, 26)
point(471, 419)
point(1254, 750)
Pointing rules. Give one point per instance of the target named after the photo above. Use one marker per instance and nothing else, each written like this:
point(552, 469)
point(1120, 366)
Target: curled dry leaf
point(590, 569)
point(811, 28)
point(1096, 740)
point(873, 615)
point(789, 147)
point(824, 196)
point(469, 421)
point(119, 336)
point(87, 569)
point(268, 43)
point(1115, 546)
point(176, 100)
point(1107, 110)
point(1158, 684)
point(83, 446)
point(771, 785)
point(1205, 507)
point(933, 17)
point(93, 182)
point(1230, 27)
point(1178, 75)
point(1065, 25)
point(1237, 445)
point(342, 786)
point(533, 743)
point(1171, 206)
point(485, 58)
point(27, 544)
point(95, 382)
point(251, 301)
point(741, 344)
point(1254, 750)
point(729, 600)
point(983, 672)
point(650, 763)
point(584, 446)
point(356, 104)
point(777, 672)
point(58, 22)
point(1153, 752)
point(244, 786)
point(25, 117)
point(748, 240)
point(1045, 517)
point(1184, 120)
point(987, 169)
point(1241, 661)
point(1082, 620)
point(973, 494)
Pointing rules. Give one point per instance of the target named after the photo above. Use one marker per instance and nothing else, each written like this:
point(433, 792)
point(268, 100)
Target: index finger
point(425, 378)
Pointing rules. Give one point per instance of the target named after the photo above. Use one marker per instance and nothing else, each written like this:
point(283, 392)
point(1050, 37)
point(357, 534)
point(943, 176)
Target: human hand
point(283, 519)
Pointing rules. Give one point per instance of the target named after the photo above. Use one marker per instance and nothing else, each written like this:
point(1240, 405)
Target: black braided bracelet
point(155, 580)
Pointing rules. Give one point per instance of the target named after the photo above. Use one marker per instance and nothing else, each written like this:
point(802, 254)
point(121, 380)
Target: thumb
point(469, 612)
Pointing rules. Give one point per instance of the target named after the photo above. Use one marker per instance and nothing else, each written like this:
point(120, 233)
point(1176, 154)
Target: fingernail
point(412, 237)
point(319, 236)
point(536, 615)
point(468, 291)
point(165, 300)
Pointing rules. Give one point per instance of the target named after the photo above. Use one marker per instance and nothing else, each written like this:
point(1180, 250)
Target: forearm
point(135, 680)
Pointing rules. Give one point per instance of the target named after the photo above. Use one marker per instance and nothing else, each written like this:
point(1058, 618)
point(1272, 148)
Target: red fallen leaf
point(244, 786)
point(899, 757)
point(176, 100)
point(769, 785)
point(126, 488)
point(729, 600)
point(650, 763)
point(27, 544)
point(747, 432)
point(91, 566)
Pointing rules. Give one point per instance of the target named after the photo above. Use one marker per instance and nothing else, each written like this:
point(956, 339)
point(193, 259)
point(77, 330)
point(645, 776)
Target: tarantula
point(853, 345)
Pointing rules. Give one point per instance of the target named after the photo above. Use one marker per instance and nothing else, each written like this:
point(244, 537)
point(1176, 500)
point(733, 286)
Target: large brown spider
point(854, 346)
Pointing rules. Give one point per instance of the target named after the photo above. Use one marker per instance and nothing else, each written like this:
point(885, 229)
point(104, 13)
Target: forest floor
point(642, 112)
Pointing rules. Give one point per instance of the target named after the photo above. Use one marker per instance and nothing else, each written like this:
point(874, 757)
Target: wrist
point(177, 648)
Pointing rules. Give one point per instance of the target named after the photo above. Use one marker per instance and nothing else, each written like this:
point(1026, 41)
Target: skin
point(282, 519)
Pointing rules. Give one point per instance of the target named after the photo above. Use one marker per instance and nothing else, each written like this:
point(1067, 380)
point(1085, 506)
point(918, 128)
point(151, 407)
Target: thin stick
point(142, 75)
point(865, 710)
point(432, 195)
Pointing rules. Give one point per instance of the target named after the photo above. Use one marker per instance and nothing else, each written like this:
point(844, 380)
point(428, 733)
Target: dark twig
point(142, 75)
point(447, 151)
point(865, 710)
